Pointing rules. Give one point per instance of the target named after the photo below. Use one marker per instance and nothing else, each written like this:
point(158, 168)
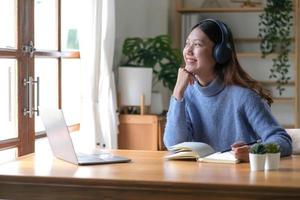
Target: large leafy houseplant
point(275, 31)
point(156, 53)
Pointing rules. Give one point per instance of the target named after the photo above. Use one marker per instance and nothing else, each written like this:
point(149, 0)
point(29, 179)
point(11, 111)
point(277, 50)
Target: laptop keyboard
point(100, 156)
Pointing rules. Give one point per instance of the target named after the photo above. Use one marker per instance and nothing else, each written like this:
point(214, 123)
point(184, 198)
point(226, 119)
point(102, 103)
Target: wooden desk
point(148, 176)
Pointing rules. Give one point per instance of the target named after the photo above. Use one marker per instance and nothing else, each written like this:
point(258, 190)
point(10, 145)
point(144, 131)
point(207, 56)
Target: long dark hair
point(232, 72)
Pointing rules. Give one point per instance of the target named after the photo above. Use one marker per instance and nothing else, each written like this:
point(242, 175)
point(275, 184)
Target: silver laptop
point(62, 145)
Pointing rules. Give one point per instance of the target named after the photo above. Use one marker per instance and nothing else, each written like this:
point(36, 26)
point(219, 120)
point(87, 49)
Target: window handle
point(30, 110)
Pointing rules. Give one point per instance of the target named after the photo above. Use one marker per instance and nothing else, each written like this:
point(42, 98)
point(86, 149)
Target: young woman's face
point(197, 53)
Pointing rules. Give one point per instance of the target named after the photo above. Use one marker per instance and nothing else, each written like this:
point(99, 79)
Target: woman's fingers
point(238, 144)
point(241, 153)
point(183, 79)
point(191, 76)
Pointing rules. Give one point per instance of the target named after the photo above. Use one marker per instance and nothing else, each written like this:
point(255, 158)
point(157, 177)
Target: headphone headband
point(222, 51)
point(221, 27)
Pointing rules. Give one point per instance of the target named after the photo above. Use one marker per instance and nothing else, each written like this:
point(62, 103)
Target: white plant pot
point(257, 161)
point(133, 82)
point(272, 161)
point(156, 103)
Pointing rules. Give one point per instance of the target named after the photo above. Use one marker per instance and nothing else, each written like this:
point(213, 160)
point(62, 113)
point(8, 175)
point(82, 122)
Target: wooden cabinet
point(141, 132)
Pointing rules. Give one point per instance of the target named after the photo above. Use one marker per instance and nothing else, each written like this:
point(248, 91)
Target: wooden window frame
point(26, 134)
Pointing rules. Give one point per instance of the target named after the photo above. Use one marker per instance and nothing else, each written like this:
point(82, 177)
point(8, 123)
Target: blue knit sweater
point(220, 115)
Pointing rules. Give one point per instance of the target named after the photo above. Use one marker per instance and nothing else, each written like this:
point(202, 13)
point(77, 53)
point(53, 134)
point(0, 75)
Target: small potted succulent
point(273, 156)
point(257, 157)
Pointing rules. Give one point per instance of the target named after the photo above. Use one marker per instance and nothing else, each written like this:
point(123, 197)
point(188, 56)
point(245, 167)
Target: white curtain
point(99, 120)
point(108, 107)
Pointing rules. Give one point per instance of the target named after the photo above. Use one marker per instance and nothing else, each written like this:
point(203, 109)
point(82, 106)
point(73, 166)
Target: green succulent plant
point(258, 149)
point(272, 148)
point(156, 53)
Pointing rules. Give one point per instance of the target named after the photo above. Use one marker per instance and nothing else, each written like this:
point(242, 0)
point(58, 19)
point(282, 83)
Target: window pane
point(8, 100)
point(45, 27)
point(8, 155)
point(47, 70)
point(69, 22)
point(8, 23)
point(71, 90)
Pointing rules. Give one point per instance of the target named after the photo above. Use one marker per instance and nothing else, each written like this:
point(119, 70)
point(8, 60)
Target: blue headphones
point(222, 51)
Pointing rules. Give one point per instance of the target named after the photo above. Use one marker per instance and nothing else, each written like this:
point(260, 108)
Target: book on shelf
point(201, 152)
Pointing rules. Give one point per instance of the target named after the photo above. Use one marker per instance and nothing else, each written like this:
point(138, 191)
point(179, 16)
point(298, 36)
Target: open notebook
point(199, 151)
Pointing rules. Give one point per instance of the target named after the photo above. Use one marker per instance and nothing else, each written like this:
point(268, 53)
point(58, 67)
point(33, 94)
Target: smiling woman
point(215, 101)
point(198, 55)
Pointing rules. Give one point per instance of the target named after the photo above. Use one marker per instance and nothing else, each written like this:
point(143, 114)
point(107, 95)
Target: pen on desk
point(250, 143)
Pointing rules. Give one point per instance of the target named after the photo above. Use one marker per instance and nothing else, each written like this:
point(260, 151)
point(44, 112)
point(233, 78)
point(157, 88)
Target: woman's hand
point(183, 79)
point(241, 151)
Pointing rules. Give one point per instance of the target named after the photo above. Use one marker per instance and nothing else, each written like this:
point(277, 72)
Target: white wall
point(140, 18)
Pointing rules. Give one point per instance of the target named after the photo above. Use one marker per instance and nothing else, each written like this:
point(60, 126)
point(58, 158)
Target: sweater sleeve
point(265, 125)
point(176, 129)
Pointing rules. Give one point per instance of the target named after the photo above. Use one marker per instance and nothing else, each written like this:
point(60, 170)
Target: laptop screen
point(58, 134)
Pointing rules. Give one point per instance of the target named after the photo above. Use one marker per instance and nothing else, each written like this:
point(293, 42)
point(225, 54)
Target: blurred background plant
point(275, 31)
point(156, 53)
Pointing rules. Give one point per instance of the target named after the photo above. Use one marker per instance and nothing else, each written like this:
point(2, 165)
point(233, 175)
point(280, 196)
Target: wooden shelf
point(218, 10)
point(288, 125)
point(284, 100)
point(253, 40)
point(259, 55)
point(274, 83)
point(239, 40)
point(252, 54)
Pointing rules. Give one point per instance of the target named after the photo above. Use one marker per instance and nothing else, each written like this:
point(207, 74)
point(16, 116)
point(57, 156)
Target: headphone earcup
point(222, 53)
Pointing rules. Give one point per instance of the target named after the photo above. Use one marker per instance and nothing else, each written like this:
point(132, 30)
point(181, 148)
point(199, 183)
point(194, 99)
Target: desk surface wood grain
point(148, 176)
